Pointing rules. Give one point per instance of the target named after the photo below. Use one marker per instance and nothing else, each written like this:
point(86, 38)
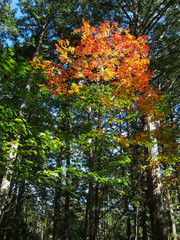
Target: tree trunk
point(89, 225)
point(91, 198)
point(155, 194)
point(86, 223)
point(6, 181)
point(67, 195)
point(92, 212)
point(128, 222)
point(136, 230)
point(57, 205)
point(172, 218)
point(97, 211)
point(19, 209)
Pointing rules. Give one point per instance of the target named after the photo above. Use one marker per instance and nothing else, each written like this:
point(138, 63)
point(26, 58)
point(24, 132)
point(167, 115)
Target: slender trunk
point(86, 223)
point(89, 227)
point(172, 218)
point(128, 222)
point(171, 211)
point(92, 188)
point(94, 212)
point(155, 194)
point(67, 195)
point(6, 181)
point(24, 103)
point(128, 228)
point(19, 209)
point(136, 230)
point(89, 217)
point(97, 156)
point(97, 211)
point(57, 204)
point(91, 201)
point(56, 219)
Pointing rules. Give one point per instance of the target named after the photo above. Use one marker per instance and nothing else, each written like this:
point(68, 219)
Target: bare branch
point(147, 16)
point(126, 14)
point(159, 16)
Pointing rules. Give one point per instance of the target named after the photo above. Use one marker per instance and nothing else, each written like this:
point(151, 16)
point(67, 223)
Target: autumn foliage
point(112, 66)
point(105, 55)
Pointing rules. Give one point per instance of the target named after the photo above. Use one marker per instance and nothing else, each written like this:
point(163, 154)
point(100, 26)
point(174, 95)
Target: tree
point(39, 31)
point(32, 145)
point(8, 69)
point(107, 61)
point(83, 159)
point(157, 19)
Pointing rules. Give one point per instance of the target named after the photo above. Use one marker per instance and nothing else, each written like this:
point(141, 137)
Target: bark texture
point(155, 191)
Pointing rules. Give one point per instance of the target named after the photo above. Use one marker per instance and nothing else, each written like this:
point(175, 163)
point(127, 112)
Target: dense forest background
point(62, 178)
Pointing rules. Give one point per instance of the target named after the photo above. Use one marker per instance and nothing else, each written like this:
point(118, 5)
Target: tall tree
point(100, 185)
point(42, 14)
point(155, 19)
point(104, 55)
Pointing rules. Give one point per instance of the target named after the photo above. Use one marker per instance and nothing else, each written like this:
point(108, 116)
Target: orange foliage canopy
point(110, 56)
point(104, 55)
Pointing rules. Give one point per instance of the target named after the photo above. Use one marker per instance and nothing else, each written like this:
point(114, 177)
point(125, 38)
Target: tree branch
point(126, 14)
point(160, 14)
